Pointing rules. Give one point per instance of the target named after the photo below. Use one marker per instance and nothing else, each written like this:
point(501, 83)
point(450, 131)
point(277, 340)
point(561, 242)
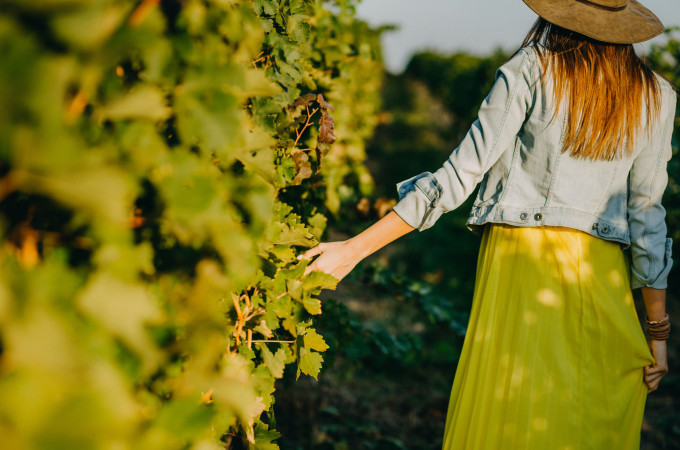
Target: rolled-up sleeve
point(425, 197)
point(650, 246)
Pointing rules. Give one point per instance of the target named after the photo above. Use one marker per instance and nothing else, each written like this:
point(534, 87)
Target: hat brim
point(627, 25)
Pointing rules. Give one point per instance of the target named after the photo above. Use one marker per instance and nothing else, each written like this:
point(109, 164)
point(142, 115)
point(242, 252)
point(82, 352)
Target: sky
point(476, 26)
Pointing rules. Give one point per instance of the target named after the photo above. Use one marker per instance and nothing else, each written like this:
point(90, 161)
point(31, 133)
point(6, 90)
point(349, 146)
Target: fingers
point(312, 252)
point(311, 268)
point(653, 379)
point(650, 370)
point(652, 385)
point(653, 375)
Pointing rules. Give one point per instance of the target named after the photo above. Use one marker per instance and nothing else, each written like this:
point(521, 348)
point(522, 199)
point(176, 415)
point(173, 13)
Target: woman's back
point(533, 175)
point(515, 150)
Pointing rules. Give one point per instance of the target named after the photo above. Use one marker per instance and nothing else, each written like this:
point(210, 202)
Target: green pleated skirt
point(554, 353)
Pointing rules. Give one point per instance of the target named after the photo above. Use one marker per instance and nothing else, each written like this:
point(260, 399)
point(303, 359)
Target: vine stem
point(142, 11)
point(306, 125)
point(264, 341)
point(260, 58)
point(239, 313)
point(257, 312)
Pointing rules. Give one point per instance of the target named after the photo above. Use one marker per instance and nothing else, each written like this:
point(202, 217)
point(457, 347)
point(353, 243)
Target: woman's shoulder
point(524, 55)
point(667, 89)
point(530, 52)
point(669, 95)
point(665, 84)
point(522, 61)
point(526, 60)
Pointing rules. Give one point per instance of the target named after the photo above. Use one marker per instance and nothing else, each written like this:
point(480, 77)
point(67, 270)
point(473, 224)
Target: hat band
point(595, 4)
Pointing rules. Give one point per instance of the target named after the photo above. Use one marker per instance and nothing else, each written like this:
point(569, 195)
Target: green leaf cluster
point(157, 181)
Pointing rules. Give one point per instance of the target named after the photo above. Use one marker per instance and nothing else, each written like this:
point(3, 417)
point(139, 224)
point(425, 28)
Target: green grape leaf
point(301, 328)
point(264, 384)
point(317, 280)
point(297, 28)
point(317, 225)
point(266, 7)
point(264, 437)
point(312, 305)
point(314, 340)
point(297, 6)
point(263, 329)
point(294, 288)
point(123, 309)
point(274, 362)
point(285, 234)
point(289, 72)
point(295, 272)
point(184, 417)
point(309, 363)
point(143, 102)
point(88, 28)
point(267, 25)
point(283, 252)
point(208, 115)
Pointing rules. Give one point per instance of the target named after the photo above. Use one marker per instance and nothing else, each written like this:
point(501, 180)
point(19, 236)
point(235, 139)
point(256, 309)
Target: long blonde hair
point(607, 88)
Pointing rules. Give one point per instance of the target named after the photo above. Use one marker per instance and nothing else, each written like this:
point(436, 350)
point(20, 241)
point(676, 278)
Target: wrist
point(357, 248)
point(656, 316)
point(659, 330)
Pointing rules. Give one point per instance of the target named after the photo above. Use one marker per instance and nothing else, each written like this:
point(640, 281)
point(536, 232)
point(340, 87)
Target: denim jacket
point(514, 149)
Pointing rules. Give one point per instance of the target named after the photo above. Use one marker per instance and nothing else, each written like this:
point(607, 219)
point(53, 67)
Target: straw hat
point(614, 21)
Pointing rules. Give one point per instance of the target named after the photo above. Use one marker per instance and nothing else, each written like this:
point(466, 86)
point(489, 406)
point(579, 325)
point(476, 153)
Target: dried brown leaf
point(327, 128)
point(303, 167)
point(323, 103)
point(304, 100)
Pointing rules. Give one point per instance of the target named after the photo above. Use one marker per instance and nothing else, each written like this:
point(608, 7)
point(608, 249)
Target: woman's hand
point(654, 373)
point(336, 258)
point(339, 258)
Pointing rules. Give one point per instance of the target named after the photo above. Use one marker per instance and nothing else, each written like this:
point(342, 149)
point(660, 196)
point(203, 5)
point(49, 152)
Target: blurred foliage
point(162, 162)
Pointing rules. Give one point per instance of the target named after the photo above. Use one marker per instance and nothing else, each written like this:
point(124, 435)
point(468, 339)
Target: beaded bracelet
point(659, 330)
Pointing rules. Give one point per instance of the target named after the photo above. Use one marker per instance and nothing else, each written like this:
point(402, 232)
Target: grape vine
point(162, 163)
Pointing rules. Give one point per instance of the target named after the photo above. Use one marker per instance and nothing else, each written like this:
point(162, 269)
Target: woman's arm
point(339, 258)
point(425, 197)
point(655, 304)
point(650, 247)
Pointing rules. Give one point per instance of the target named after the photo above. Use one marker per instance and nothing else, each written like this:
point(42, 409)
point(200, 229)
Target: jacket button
point(524, 216)
point(605, 229)
point(538, 217)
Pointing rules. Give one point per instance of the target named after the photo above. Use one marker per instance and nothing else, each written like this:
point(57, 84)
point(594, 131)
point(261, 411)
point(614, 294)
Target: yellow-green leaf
point(314, 340)
point(274, 362)
point(143, 102)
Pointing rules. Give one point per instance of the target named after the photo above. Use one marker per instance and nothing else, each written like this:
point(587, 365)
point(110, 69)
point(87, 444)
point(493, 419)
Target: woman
point(570, 147)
